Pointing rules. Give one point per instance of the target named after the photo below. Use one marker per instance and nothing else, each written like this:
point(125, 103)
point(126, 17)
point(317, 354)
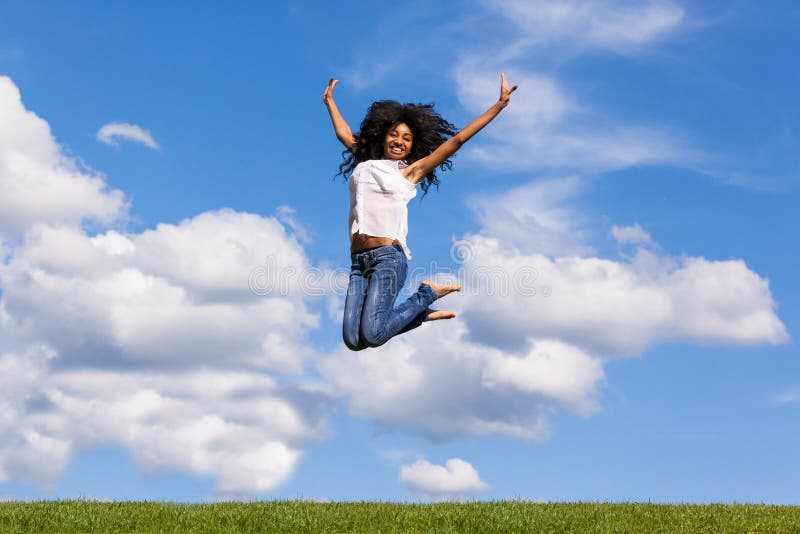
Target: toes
point(441, 289)
point(441, 314)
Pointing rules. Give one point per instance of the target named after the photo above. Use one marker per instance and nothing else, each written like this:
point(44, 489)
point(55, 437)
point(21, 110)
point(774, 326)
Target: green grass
point(300, 516)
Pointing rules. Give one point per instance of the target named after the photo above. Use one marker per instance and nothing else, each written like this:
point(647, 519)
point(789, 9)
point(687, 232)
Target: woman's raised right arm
point(417, 171)
point(343, 131)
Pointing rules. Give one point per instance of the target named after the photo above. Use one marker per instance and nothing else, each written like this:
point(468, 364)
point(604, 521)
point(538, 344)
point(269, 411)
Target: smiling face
point(397, 144)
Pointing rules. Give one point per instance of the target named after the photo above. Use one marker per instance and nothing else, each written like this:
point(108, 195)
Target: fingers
point(504, 85)
point(329, 90)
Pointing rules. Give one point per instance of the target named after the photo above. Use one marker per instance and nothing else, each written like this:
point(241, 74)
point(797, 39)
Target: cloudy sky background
point(175, 255)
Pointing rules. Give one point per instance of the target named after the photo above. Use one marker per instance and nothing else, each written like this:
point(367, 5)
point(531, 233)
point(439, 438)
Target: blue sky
point(646, 171)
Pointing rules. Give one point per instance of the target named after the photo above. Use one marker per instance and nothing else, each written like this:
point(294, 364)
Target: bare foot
point(441, 289)
point(435, 315)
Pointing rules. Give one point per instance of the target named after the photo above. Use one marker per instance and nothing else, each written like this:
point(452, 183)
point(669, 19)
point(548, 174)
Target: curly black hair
point(428, 128)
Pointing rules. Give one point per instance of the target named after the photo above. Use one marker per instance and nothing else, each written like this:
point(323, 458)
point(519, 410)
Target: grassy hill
point(479, 517)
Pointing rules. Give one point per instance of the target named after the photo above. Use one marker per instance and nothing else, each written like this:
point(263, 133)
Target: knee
point(352, 340)
point(374, 337)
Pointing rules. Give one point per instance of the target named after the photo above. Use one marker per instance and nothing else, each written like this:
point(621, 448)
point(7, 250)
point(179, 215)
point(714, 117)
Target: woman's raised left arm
point(417, 171)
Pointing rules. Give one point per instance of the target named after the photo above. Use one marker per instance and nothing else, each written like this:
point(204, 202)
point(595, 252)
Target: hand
point(327, 96)
point(505, 92)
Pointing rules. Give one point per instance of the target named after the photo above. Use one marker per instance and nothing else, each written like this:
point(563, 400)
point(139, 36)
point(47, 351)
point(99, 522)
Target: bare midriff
point(362, 241)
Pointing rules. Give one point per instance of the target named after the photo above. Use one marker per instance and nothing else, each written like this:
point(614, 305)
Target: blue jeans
point(370, 318)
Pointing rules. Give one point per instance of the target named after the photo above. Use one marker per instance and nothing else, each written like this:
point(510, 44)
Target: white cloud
point(162, 342)
point(545, 128)
point(610, 24)
point(105, 308)
point(551, 369)
point(245, 430)
point(509, 359)
point(525, 28)
point(38, 183)
point(547, 125)
point(24, 444)
point(533, 331)
point(111, 133)
point(175, 295)
point(631, 235)
point(436, 382)
point(535, 217)
point(606, 307)
point(617, 308)
point(457, 478)
point(287, 216)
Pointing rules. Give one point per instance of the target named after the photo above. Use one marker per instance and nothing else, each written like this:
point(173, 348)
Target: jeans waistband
point(375, 252)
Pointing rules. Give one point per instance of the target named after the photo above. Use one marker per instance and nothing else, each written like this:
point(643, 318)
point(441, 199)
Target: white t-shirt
point(379, 194)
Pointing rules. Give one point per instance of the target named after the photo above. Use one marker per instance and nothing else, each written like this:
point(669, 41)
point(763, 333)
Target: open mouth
point(396, 150)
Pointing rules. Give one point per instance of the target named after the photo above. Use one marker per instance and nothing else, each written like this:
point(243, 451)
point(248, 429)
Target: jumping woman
point(398, 147)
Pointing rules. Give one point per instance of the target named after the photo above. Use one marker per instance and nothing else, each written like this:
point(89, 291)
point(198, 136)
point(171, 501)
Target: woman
point(398, 147)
